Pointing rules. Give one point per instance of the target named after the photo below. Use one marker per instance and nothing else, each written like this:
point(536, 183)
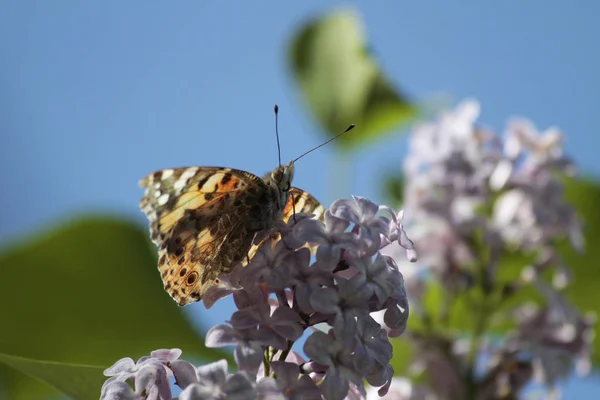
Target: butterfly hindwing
point(299, 202)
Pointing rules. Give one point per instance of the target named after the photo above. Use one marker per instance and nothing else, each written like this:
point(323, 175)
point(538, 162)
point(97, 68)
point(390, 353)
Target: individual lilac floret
point(345, 304)
point(324, 349)
point(363, 214)
point(372, 346)
point(376, 277)
point(288, 385)
point(214, 382)
point(150, 375)
point(331, 238)
point(397, 233)
point(556, 336)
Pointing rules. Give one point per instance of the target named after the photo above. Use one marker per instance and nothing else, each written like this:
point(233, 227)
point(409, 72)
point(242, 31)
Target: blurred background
point(95, 95)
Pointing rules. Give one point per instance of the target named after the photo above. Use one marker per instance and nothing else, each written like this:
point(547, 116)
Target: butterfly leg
point(293, 207)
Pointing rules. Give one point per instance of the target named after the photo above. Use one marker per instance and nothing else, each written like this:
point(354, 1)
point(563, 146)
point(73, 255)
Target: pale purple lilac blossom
point(472, 198)
point(285, 291)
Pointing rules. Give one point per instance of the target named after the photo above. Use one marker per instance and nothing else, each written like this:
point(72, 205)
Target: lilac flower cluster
point(151, 377)
point(475, 199)
point(327, 277)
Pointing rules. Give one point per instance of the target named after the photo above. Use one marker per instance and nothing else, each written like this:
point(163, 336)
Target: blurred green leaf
point(88, 293)
point(403, 353)
point(393, 189)
point(77, 381)
point(342, 83)
point(585, 196)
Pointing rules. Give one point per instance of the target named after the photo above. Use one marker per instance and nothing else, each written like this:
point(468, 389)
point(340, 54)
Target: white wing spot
point(166, 174)
point(162, 200)
point(157, 193)
point(188, 173)
point(180, 184)
point(184, 178)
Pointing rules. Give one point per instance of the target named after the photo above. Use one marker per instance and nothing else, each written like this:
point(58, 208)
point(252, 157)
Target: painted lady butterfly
point(204, 219)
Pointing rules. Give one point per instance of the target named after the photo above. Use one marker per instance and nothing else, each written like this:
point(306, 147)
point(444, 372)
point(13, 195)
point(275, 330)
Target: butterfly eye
point(287, 189)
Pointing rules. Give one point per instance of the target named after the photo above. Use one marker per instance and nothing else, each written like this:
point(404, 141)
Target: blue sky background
point(95, 95)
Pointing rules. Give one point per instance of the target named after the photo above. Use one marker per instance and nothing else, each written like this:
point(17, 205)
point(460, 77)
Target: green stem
point(285, 353)
point(267, 362)
point(483, 310)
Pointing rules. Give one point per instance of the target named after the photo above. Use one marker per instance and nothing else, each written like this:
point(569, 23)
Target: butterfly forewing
point(193, 220)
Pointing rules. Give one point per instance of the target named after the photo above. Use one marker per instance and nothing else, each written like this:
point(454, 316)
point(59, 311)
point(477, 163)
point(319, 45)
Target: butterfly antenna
point(277, 132)
point(348, 129)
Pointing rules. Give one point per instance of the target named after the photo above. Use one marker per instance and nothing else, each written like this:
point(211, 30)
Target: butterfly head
point(281, 181)
point(283, 176)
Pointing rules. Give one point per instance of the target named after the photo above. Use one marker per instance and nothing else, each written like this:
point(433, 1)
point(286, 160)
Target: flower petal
point(335, 385)
point(267, 389)
point(123, 365)
point(395, 319)
point(153, 378)
point(285, 322)
point(302, 297)
point(215, 372)
point(239, 387)
point(287, 373)
point(184, 372)
point(215, 293)
point(318, 347)
point(166, 354)
point(198, 392)
point(248, 357)
point(305, 389)
point(311, 231)
point(119, 391)
point(334, 224)
point(328, 256)
point(221, 335)
point(368, 209)
point(325, 300)
point(244, 319)
point(345, 209)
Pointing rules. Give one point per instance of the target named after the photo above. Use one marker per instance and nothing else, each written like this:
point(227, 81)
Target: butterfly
point(204, 221)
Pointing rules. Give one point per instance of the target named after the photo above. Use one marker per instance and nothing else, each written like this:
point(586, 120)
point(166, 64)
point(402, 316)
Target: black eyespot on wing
point(192, 277)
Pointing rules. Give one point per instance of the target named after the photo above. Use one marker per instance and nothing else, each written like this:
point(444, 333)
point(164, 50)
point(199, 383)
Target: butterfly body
point(204, 220)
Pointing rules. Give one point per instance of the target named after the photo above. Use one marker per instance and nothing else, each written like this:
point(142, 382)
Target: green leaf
point(403, 353)
point(393, 188)
point(88, 293)
point(585, 196)
point(77, 381)
point(342, 83)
